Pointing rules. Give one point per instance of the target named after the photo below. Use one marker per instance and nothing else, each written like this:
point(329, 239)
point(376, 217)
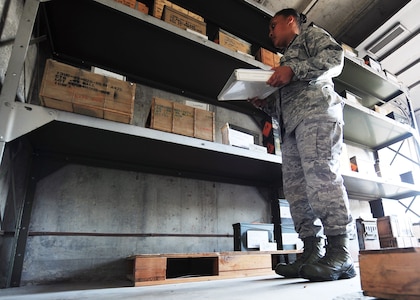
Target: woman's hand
point(257, 102)
point(282, 75)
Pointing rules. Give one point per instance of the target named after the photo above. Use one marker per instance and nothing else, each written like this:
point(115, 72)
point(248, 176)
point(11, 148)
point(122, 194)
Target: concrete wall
point(87, 220)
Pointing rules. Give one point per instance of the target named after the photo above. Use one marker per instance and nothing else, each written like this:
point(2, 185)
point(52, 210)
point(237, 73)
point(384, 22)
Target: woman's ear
point(290, 20)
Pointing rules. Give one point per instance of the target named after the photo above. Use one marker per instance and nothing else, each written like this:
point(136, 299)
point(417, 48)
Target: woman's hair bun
point(302, 18)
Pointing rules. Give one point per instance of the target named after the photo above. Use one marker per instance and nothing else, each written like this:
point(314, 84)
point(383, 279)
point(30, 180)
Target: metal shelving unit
point(369, 188)
point(365, 127)
point(98, 141)
point(371, 86)
point(194, 67)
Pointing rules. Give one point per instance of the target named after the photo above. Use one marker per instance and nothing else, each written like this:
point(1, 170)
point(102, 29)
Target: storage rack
point(81, 33)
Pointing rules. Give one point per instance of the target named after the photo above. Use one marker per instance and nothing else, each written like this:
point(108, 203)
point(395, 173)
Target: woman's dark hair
point(300, 18)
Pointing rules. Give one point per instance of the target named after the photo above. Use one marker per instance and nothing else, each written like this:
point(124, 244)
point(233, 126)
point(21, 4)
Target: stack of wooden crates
point(181, 119)
point(396, 232)
point(392, 272)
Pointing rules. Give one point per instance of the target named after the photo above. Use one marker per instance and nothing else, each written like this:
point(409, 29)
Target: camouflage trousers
point(312, 183)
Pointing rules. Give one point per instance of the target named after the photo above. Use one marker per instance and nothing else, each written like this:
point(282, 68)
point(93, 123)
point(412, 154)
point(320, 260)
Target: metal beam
point(15, 67)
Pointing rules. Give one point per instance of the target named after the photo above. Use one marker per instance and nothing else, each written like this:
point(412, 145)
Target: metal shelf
point(372, 87)
point(367, 127)
point(373, 188)
point(83, 139)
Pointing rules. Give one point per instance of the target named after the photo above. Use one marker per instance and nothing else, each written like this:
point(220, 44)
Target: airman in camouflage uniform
point(311, 114)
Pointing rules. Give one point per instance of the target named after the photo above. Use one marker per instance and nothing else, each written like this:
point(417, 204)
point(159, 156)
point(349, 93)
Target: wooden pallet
point(392, 273)
point(156, 269)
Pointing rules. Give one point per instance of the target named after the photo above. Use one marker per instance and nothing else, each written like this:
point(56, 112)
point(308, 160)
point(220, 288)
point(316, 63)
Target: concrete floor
point(255, 288)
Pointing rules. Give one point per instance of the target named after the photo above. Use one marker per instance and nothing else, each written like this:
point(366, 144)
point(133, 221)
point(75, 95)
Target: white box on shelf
point(344, 159)
point(107, 73)
point(236, 138)
point(257, 148)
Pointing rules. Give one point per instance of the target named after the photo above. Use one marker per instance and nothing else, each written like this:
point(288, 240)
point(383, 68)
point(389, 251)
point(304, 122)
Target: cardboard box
point(344, 159)
point(257, 148)
point(267, 57)
point(129, 3)
point(398, 117)
point(289, 236)
point(373, 63)
point(392, 77)
point(135, 5)
point(416, 231)
point(236, 138)
point(394, 226)
point(383, 109)
point(142, 7)
point(232, 42)
point(159, 5)
point(390, 273)
point(181, 119)
point(362, 166)
point(349, 50)
point(76, 90)
point(183, 21)
point(385, 171)
point(353, 98)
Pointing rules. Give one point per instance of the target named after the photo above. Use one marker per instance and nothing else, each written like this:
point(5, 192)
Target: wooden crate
point(129, 3)
point(142, 7)
point(178, 268)
point(391, 273)
point(398, 242)
point(232, 42)
point(267, 57)
point(76, 90)
point(135, 4)
point(183, 21)
point(182, 119)
point(394, 226)
point(159, 5)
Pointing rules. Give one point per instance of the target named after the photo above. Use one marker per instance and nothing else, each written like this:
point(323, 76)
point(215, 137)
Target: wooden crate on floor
point(391, 273)
point(156, 269)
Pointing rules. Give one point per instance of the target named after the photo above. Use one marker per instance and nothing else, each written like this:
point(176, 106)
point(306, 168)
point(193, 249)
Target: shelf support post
point(14, 70)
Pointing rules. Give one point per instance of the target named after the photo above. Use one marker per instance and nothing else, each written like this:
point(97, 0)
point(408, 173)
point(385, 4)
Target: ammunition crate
point(183, 21)
point(181, 119)
point(232, 42)
point(68, 88)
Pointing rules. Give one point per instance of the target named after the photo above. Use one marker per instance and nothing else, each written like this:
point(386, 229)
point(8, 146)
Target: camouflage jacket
point(315, 58)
